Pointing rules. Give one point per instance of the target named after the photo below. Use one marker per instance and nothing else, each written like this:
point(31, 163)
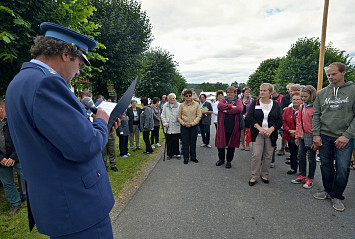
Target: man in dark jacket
point(8, 161)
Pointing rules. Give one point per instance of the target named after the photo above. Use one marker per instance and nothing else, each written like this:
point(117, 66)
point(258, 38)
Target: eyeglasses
point(82, 65)
point(188, 95)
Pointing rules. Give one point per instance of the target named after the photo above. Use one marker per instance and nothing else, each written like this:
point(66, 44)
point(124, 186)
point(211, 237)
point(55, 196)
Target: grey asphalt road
point(205, 201)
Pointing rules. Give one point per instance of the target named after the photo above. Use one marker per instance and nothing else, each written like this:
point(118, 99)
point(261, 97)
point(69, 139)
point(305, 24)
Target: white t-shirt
point(266, 108)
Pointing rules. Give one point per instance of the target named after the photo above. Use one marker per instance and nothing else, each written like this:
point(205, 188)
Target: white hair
point(171, 94)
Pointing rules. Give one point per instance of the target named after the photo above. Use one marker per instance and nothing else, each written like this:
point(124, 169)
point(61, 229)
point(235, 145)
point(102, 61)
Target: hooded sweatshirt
point(334, 111)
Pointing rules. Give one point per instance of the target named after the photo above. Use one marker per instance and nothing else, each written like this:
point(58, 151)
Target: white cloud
point(226, 40)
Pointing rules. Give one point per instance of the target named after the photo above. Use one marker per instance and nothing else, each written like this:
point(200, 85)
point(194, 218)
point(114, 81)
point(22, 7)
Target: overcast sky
point(226, 40)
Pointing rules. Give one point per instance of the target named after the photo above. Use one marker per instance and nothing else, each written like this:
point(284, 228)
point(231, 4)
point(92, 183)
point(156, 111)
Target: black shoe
point(186, 161)
point(195, 160)
point(228, 165)
point(265, 180)
point(291, 171)
point(252, 183)
point(114, 169)
point(288, 162)
point(138, 148)
point(147, 152)
point(219, 163)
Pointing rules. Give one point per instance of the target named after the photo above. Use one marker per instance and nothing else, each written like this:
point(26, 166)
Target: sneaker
point(281, 152)
point(158, 145)
point(14, 210)
point(153, 147)
point(318, 159)
point(124, 156)
point(178, 156)
point(208, 146)
point(202, 145)
point(299, 179)
point(272, 165)
point(309, 183)
point(128, 154)
point(337, 204)
point(321, 195)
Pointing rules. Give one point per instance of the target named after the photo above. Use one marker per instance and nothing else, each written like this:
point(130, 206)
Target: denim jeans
point(7, 179)
point(305, 153)
point(205, 133)
point(335, 179)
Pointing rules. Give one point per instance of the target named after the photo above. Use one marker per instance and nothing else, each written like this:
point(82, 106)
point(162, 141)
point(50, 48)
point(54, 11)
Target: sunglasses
point(188, 95)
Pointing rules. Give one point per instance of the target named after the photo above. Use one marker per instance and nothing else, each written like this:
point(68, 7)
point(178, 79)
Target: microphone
point(89, 104)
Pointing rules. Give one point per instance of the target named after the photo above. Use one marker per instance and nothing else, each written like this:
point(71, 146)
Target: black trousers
point(172, 144)
point(189, 138)
point(155, 135)
point(230, 150)
point(148, 147)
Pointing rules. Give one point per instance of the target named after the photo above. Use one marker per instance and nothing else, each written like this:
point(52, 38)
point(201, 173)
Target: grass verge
point(17, 225)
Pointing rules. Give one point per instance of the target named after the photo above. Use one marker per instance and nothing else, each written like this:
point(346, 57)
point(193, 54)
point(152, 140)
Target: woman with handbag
point(228, 126)
point(304, 138)
point(265, 120)
point(289, 125)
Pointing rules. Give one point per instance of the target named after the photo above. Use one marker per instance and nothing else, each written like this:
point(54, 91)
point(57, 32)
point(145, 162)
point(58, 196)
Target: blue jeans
point(7, 179)
point(205, 133)
point(335, 179)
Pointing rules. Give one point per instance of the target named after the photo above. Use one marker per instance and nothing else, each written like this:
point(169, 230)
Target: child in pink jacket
point(305, 149)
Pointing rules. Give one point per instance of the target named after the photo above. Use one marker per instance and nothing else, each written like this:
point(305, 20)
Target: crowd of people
point(64, 159)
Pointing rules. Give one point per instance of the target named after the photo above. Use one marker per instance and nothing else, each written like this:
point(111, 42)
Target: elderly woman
point(171, 126)
point(289, 125)
point(219, 96)
point(265, 118)
point(156, 116)
point(228, 132)
point(246, 101)
point(133, 114)
point(189, 114)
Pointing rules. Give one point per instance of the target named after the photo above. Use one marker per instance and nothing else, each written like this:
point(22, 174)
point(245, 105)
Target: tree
point(20, 20)
point(206, 86)
point(159, 75)
point(126, 33)
point(220, 86)
point(265, 73)
point(301, 63)
point(239, 85)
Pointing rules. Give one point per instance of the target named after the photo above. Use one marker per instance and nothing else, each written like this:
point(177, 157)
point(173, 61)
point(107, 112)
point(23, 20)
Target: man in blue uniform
point(69, 193)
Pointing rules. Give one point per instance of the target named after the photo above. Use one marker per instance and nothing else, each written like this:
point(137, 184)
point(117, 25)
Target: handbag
point(307, 137)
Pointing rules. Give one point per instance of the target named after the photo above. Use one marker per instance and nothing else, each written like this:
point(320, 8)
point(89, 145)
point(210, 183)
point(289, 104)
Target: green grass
point(17, 225)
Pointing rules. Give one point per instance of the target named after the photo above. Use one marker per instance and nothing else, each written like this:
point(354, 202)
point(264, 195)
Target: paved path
point(205, 201)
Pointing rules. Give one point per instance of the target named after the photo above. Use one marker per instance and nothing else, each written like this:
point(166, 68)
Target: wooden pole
point(322, 46)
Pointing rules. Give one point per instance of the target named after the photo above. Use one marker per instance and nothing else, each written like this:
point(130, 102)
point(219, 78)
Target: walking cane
point(161, 122)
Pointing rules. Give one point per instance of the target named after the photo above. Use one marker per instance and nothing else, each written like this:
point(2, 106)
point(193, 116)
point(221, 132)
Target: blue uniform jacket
point(60, 152)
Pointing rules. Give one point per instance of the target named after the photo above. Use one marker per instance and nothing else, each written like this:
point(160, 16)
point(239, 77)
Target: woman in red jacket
point(289, 125)
point(304, 141)
point(228, 132)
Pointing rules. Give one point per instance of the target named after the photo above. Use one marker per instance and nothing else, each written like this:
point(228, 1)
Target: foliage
point(301, 63)
point(265, 73)
point(209, 87)
point(159, 75)
point(20, 20)
point(126, 33)
point(206, 86)
point(239, 85)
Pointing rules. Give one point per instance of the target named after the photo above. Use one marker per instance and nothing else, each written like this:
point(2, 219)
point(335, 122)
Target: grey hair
point(171, 94)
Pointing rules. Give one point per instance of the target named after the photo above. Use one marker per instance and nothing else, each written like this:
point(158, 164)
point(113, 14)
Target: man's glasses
point(188, 95)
